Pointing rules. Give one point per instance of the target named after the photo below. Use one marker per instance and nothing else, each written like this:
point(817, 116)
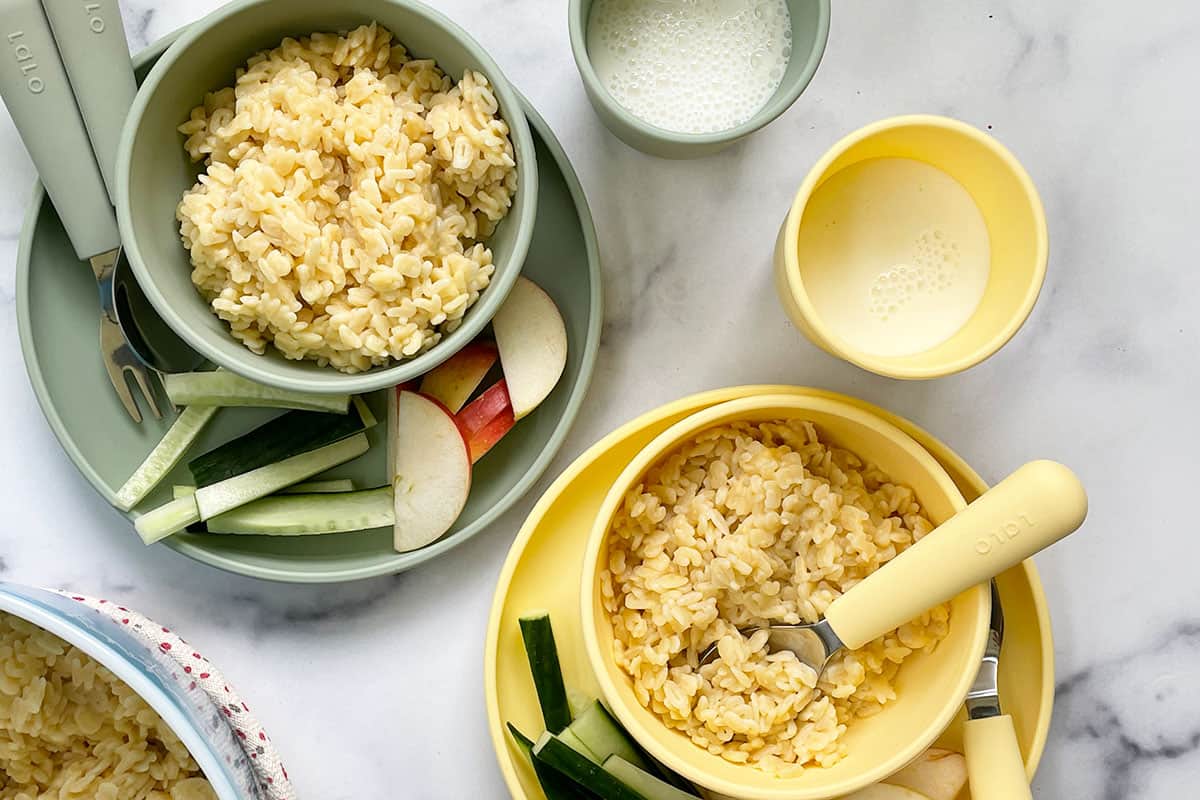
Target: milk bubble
point(690, 66)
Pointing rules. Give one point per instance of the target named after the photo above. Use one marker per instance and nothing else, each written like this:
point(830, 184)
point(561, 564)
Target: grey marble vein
point(1132, 715)
point(269, 611)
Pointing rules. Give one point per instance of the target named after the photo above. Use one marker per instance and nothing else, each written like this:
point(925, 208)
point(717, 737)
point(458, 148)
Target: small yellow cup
point(1011, 209)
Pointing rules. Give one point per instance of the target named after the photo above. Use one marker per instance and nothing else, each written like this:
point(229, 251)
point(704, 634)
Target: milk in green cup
point(690, 66)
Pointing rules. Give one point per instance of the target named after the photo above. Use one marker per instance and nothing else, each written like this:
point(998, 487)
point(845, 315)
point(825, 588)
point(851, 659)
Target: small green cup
point(810, 30)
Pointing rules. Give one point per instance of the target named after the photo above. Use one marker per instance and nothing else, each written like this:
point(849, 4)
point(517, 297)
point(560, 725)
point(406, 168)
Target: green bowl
point(154, 171)
point(56, 320)
point(810, 30)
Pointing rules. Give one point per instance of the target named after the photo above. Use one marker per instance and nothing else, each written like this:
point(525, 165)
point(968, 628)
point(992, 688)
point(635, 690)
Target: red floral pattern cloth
point(261, 754)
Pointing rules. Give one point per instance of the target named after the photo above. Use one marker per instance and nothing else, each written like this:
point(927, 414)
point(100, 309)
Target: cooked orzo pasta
point(745, 524)
point(71, 730)
point(345, 195)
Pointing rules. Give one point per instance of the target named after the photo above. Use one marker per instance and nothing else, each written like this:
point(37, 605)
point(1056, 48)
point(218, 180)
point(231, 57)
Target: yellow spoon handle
point(995, 770)
point(1026, 512)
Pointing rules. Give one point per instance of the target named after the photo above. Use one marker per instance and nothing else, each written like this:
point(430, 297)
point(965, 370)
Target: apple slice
point(453, 381)
point(485, 421)
point(483, 409)
point(393, 395)
point(431, 469)
point(486, 437)
point(882, 791)
point(937, 774)
point(532, 340)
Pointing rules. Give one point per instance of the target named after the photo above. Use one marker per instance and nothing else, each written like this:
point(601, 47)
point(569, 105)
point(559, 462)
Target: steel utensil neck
point(103, 266)
point(983, 699)
point(829, 638)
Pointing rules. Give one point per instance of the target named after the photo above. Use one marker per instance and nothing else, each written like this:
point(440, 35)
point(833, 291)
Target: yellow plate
point(543, 571)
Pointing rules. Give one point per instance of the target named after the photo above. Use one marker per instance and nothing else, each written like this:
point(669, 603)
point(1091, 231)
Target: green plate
point(58, 313)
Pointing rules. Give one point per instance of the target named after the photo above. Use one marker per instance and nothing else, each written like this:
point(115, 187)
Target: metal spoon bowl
point(151, 339)
point(814, 644)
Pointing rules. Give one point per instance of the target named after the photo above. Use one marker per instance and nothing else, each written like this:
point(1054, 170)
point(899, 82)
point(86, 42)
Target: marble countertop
point(1091, 97)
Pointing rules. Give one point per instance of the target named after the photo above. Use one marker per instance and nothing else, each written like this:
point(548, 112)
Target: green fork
point(69, 110)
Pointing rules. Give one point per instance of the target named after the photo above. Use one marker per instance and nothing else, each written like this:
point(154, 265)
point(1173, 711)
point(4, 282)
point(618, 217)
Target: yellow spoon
point(1025, 513)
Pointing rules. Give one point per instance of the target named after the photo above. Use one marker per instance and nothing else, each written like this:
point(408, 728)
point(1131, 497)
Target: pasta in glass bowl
point(95, 699)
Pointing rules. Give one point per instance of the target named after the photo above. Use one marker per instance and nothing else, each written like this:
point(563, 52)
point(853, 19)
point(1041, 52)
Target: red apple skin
point(453, 381)
point(487, 436)
point(483, 409)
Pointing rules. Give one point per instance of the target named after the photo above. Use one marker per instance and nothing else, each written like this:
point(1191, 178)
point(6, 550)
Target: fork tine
point(117, 378)
point(119, 360)
point(139, 375)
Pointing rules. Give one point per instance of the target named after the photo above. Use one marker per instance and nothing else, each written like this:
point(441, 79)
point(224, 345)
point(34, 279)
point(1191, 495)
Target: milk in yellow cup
point(915, 248)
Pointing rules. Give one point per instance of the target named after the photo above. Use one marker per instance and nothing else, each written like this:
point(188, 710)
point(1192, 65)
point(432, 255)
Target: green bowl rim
point(402, 561)
point(774, 107)
point(284, 374)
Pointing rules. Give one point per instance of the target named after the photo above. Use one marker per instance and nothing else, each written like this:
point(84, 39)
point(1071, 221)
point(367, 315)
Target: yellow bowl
point(1011, 209)
point(545, 564)
point(930, 688)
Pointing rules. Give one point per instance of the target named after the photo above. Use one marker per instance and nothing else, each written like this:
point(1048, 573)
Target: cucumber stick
point(575, 743)
point(547, 673)
point(285, 436)
point(216, 498)
point(643, 782)
point(555, 785)
point(331, 486)
point(221, 388)
point(364, 412)
point(523, 742)
point(300, 514)
point(167, 519)
point(578, 701)
point(595, 734)
point(165, 455)
point(603, 737)
point(550, 751)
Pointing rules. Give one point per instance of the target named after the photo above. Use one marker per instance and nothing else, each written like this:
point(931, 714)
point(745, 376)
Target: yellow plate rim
point(951, 461)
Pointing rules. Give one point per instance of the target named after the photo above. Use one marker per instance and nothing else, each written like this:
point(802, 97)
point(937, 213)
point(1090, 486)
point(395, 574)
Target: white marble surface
point(1092, 97)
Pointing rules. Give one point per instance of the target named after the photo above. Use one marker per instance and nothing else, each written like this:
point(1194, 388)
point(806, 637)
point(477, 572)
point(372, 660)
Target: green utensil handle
point(33, 83)
point(91, 43)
